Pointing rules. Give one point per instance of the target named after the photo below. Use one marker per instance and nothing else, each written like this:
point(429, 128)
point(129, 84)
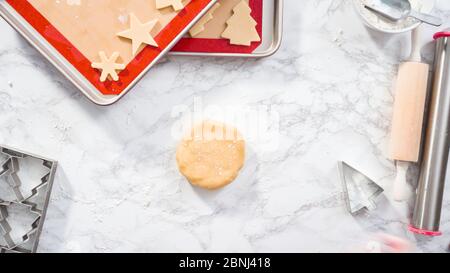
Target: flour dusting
point(384, 24)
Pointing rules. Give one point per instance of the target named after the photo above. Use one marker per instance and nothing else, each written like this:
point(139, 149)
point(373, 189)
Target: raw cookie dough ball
point(212, 155)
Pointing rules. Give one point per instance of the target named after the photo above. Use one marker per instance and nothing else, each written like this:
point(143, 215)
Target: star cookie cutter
point(36, 203)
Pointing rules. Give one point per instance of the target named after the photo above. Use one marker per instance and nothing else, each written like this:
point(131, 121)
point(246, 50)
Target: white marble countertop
point(118, 188)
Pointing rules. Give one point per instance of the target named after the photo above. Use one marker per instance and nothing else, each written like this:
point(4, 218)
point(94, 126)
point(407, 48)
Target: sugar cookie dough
point(241, 27)
point(212, 155)
point(108, 66)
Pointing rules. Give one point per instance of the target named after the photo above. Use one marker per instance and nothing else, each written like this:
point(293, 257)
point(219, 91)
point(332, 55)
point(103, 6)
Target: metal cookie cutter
point(5, 228)
point(10, 169)
point(359, 190)
point(11, 244)
point(36, 203)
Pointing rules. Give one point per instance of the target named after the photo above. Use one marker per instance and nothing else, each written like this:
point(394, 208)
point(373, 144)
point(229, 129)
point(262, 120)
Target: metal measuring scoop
point(396, 10)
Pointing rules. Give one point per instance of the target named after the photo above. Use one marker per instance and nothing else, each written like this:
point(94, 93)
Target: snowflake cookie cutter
point(35, 204)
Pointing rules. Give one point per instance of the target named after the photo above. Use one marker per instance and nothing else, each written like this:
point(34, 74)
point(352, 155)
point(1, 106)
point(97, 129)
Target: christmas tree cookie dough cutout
point(139, 33)
point(175, 4)
point(199, 27)
point(241, 29)
point(108, 66)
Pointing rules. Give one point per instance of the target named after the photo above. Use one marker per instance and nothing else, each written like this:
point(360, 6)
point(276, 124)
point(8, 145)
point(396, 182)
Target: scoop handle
point(426, 18)
point(402, 190)
point(416, 46)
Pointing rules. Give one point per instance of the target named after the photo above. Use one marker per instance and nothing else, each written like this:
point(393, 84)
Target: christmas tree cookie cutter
point(35, 204)
point(360, 192)
point(5, 228)
point(10, 168)
point(19, 246)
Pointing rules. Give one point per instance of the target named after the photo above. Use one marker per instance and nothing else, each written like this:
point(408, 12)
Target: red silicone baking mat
point(83, 65)
point(203, 45)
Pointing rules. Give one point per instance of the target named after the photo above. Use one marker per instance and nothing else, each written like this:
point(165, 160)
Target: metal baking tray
point(35, 202)
point(272, 34)
point(54, 57)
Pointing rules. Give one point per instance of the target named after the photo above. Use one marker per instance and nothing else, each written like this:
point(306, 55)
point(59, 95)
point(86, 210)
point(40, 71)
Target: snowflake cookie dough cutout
point(199, 27)
point(176, 4)
point(139, 33)
point(241, 29)
point(108, 66)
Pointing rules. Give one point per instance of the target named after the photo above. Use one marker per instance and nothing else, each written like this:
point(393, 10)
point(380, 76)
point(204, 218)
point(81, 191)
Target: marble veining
point(118, 188)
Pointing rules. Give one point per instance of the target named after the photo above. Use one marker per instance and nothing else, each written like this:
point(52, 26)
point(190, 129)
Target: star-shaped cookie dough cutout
point(139, 33)
point(176, 4)
point(108, 66)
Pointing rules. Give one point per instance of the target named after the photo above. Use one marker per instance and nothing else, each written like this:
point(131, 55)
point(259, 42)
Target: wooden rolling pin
point(409, 111)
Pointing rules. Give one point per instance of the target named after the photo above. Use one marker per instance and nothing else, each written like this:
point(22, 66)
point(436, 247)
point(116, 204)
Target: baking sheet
point(99, 21)
point(271, 33)
point(26, 17)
